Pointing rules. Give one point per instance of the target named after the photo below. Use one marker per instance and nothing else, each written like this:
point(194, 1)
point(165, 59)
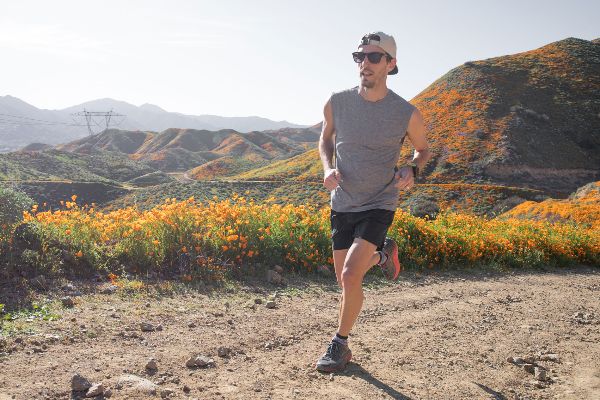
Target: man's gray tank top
point(368, 138)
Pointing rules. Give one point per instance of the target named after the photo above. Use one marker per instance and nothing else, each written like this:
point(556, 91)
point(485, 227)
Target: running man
point(365, 127)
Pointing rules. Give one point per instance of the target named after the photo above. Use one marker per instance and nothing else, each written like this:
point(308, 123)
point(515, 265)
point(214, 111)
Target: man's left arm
point(416, 133)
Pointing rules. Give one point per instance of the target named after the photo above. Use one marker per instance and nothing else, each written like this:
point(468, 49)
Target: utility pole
point(91, 118)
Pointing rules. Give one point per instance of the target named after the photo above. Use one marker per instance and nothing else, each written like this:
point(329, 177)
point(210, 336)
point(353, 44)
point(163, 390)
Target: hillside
point(280, 193)
point(224, 167)
point(582, 207)
point(530, 119)
point(57, 165)
point(122, 141)
point(527, 119)
point(52, 175)
point(185, 149)
point(303, 167)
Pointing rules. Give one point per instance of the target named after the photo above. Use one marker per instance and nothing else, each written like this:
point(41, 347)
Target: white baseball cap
point(383, 40)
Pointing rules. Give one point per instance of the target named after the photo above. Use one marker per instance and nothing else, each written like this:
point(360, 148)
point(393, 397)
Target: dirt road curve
point(434, 336)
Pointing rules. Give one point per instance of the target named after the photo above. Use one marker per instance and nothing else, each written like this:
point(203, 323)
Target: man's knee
point(351, 277)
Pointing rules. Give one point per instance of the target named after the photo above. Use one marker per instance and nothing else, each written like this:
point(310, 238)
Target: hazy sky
point(275, 59)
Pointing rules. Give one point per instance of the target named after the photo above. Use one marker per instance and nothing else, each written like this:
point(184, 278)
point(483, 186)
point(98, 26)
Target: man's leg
point(361, 256)
point(338, 353)
point(339, 257)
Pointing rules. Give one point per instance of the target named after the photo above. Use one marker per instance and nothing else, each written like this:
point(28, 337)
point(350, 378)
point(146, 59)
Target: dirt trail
point(436, 336)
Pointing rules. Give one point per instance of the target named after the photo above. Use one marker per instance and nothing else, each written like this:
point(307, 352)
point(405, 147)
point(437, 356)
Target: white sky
point(275, 59)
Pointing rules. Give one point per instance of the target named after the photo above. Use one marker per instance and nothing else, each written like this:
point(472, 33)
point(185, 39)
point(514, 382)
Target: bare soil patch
point(450, 335)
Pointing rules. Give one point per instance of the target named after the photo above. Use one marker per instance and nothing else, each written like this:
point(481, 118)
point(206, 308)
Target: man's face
point(372, 74)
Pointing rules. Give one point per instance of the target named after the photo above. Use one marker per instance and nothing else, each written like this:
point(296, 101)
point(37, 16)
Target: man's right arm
point(331, 176)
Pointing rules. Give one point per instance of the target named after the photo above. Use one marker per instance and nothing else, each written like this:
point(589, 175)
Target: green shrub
point(12, 205)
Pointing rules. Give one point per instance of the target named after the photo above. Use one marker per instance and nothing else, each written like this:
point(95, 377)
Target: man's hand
point(331, 178)
point(404, 178)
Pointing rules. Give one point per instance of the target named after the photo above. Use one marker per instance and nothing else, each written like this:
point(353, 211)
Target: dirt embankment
point(454, 335)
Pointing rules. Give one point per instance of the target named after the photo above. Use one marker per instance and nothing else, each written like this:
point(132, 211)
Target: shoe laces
point(334, 349)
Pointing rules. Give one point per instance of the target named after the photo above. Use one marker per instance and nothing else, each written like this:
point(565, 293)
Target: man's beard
point(367, 83)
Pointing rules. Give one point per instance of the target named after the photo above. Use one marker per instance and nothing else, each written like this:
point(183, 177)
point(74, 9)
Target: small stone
point(138, 384)
point(166, 393)
point(108, 393)
point(68, 287)
point(191, 325)
point(110, 289)
point(147, 327)
point(331, 377)
point(529, 359)
point(67, 302)
point(151, 365)
point(199, 360)
point(274, 277)
point(50, 338)
point(159, 327)
point(186, 389)
point(224, 352)
point(550, 357)
point(147, 304)
point(540, 374)
point(258, 300)
point(79, 383)
point(271, 304)
point(278, 269)
point(530, 368)
point(95, 390)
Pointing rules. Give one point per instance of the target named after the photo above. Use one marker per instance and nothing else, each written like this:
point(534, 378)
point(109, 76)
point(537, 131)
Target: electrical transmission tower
point(92, 119)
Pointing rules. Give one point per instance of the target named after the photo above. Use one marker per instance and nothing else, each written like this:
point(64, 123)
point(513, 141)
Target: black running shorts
point(370, 225)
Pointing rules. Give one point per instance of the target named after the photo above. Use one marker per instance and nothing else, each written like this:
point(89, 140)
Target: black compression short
point(370, 225)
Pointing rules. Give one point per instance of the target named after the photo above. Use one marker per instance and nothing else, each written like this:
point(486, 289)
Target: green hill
point(58, 165)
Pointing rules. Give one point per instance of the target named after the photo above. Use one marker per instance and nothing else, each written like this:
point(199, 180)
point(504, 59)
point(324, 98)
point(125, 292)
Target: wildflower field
point(195, 239)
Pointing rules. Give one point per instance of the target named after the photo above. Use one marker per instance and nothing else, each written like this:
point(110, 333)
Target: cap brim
point(394, 71)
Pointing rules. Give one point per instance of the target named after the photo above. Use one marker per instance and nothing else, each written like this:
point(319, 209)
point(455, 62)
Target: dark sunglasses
point(374, 58)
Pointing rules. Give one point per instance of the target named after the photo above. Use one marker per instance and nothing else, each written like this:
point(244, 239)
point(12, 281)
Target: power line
point(35, 120)
point(89, 118)
point(110, 118)
point(19, 123)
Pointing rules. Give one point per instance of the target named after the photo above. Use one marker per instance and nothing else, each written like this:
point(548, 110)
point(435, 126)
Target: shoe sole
point(396, 263)
point(335, 369)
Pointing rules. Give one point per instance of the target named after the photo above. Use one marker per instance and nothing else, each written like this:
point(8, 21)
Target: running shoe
point(391, 266)
point(335, 358)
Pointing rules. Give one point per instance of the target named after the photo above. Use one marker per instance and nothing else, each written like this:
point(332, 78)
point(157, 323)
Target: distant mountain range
point(22, 124)
point(180, 150)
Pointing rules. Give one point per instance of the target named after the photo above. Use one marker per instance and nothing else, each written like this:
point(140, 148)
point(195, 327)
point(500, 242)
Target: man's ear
point(392, 64)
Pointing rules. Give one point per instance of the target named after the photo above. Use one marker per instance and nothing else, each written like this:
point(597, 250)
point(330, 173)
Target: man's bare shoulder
point(417, 132)
point(416, 115)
